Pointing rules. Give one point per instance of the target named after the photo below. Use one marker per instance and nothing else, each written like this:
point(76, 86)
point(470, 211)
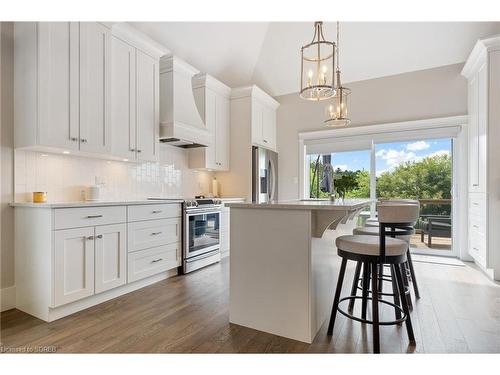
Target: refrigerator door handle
point(272, 180)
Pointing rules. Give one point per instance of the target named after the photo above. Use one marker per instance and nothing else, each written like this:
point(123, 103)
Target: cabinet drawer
point(153, 211)
point(151, 233)
point(477, 225)
point(149, 262)
point(88, 216)
point(477, 206)
point(477, 246)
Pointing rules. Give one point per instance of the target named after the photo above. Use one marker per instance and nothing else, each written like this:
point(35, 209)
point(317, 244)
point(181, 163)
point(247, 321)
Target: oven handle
point(202, 211)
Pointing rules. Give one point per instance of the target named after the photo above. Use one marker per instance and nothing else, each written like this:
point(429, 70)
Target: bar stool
point(371, 228)
point(375, 252)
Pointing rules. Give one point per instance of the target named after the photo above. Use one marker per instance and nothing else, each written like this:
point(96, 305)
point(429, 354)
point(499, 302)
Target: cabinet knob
point(264, 141)
point(83, 140)
point(90, 238)
point(132, 150)
point(74, 139)
point(99, 236)
point(139, 150)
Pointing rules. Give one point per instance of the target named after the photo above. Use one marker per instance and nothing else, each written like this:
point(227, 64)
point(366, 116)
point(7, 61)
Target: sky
point(390, 155)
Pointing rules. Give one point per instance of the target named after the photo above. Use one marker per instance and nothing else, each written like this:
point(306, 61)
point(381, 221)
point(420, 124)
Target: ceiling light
point(337, 113)
point(44, 155)
point(125, 159)
point(317, 67)
point(66, 152)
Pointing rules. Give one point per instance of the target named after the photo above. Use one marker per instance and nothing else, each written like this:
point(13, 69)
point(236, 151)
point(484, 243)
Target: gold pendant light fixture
point(317, 80)
point(337, 112)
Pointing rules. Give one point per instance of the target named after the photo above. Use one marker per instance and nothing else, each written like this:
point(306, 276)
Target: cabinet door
point(269, 128)
point(482, 127)
point(123, 99)
point(257, 121)
point(95, 88)
point(58, 72)
point(222, 134)
point(211, 122)
point(110, 256)
point(147, 107)
point(73, 265)
point(473, 135)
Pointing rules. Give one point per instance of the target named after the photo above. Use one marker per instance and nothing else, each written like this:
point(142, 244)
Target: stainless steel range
point(201, 232)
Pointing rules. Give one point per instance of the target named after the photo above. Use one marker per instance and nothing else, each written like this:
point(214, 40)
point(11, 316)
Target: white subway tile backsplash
point(64, 177)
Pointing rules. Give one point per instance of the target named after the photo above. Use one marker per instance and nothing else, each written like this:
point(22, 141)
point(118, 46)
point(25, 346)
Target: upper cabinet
point(262, 115)
point(135, 103)
point(79, 87)
point(212, 101)
point(62, 86)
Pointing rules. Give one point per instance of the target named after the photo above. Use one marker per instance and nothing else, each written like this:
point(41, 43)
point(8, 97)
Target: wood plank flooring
point(459, 312)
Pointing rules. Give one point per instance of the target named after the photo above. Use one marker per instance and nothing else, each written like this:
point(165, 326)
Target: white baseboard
point(8, 298)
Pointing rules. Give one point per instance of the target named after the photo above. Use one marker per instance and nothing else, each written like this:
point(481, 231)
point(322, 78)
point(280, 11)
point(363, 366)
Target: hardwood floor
point(459, 312)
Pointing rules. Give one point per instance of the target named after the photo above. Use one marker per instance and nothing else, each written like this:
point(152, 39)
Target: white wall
point(432, 93)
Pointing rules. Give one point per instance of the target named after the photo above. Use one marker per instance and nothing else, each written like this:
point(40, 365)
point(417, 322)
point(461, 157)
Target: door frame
point(446, 127)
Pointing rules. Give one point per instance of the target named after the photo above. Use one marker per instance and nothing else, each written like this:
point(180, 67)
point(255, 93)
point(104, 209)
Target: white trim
point(138, 39)
point(8, 298)
point(255, 92)
point(405, 126)
point(478, 54)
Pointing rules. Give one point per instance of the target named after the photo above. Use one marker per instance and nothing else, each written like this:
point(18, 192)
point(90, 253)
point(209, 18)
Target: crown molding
point(479, 53)
point(138, 39)
point(206, 80)
point(254, 92)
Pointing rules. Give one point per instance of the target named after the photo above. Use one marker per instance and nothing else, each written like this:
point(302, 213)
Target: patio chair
point(435, 226)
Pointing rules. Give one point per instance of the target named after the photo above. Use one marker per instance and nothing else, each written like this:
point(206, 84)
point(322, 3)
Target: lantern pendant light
point(337, 112)
point(317, 80)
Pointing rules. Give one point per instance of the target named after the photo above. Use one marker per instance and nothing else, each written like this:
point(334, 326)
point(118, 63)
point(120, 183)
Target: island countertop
point(306, 204)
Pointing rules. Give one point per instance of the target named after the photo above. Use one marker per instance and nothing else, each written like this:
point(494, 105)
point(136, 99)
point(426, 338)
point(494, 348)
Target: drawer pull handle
point(155, 233)
point(99, 236)
point(156, 260)
point(475, 184)
point(156, 212)
point(475, 204)
point(93, 216)
point(475, 248)
point(475, 226)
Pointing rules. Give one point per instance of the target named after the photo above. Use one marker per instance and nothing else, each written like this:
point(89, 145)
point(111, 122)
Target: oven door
point(202, 232)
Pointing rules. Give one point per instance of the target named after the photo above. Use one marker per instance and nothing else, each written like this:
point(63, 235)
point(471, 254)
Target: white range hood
point(180, 121)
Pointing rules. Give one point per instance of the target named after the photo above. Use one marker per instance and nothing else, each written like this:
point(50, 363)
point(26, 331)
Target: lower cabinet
point(149, 262)
point(68, 259)
point(73, 265)
point(110, 256)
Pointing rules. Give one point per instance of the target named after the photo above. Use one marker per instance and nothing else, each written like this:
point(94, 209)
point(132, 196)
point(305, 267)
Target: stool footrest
point(382, 323)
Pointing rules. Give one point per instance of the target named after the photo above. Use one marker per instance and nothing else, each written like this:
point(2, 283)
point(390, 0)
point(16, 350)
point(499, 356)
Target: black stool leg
point(366, 282)
point(409, 327)
point(354, 287)
point(404, 275)
point(412, 272)
point(337, 296)
point(395, 291)
point(380, 278)
point(376, 332)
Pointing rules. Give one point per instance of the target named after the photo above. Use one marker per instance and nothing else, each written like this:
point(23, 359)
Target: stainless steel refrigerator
point(264, 175)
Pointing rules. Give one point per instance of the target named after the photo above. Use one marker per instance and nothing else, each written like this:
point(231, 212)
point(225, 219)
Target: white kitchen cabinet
point(263, 124)
point(73, 265)
point(212, 101)
point(123, 99)
point(482, 71)
point(71, 258)
point(110, 256)
point(95, 88)
point(135, 103)
point(147, 107)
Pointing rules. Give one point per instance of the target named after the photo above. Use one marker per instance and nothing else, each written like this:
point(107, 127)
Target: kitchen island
point(283, 263)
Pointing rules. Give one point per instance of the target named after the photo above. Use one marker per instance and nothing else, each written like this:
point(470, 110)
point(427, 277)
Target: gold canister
point(39, 197)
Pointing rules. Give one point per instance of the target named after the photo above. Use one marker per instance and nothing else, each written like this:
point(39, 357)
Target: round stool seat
point(374, 231)
point(369, 245)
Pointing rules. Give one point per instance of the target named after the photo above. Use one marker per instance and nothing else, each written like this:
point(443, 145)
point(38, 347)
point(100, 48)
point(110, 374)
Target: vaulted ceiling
point(267, 53)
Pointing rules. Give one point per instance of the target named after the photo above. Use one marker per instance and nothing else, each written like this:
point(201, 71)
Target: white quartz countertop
point(95, 203)
point(306, 204)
